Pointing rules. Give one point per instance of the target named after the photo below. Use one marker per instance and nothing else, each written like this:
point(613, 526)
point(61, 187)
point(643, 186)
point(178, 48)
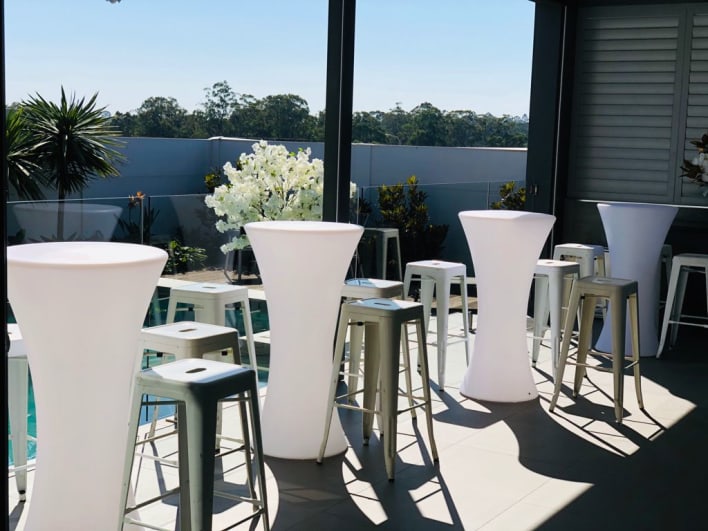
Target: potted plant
point(696, 170)
point(510, 197)
point(405, 209)
point(69, 144)
point(212, 180)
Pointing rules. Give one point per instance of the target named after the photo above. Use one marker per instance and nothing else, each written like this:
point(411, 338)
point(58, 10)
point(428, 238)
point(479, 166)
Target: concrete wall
point(455, 179)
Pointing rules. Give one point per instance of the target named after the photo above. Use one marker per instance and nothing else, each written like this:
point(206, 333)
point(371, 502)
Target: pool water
point(259, 318)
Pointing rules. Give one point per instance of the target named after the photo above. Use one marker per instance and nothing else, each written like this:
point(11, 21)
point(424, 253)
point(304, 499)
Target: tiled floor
point(502, 466)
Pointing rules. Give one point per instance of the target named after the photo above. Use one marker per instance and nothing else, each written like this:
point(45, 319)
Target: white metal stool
point(590, 257)
point(168, 284)
point(682, 265)
point(437, 276)
point(209, 301)
point(17, 389)
point(383, 237)
point(366, 288)
point(189, 339)
point(384, 319)
point(622, 294)
point(551, 277)
point(197, 386)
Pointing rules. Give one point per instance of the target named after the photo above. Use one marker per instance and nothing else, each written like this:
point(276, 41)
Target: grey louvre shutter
point(696, 115)
point(627, 98)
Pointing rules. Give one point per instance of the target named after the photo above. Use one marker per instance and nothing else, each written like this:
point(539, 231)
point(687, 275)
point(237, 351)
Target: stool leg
point(540, 314)
point(465, 317)
point(555, 288)
point(372, 375)
point(384, 257)
point(253, 400)
point(669, 308)
point(678, 306)
point(334, 378)
point(407, 283)
point(584, 340)
point(425, 376)
point(130, 443)
point(633, 306)
point(197, 434)
point(389, 344)
point(619, 329)
point(248, 326)
point(427, 288)
point(443, 307)
point(565, 345)
point(407, 367)
point(245, 433)
point(356, 333)
point(171, 308)
point(398, 258)
point(17, 377)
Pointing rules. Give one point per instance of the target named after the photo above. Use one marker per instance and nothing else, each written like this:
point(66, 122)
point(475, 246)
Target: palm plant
point(72, 142)
point(23, 171)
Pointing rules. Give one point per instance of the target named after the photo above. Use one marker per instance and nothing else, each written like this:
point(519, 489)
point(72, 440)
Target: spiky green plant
point(24, 174)
point(73, 143)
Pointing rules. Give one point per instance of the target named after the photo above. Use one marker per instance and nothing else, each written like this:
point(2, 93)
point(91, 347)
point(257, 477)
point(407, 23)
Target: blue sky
point(456, 54)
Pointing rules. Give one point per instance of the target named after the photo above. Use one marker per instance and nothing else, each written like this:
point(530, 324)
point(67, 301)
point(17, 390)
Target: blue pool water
point(259, 318)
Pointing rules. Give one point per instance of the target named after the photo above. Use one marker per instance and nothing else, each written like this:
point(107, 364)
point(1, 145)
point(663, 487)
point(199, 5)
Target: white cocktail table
point(505, 246)
point(303, 265)
point(81, 306)
point(635, 234)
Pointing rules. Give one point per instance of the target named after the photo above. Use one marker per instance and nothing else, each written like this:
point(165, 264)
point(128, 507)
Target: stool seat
point(384, 319)
point(436, 277)
point(681, 265)
point(548, 301)
point(367, 288)
point(622, 295)
point(197, 386)
point(209, 300)
point(190, 339)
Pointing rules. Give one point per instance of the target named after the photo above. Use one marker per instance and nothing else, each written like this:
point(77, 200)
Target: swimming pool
point(259, 317)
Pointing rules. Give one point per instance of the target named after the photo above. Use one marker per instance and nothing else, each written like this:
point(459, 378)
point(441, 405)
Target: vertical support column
point(338, 111)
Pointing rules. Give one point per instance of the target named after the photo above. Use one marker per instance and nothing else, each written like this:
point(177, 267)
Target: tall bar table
point(303, 265)
point(635, 233)
point(505, 246)
point(81, 306)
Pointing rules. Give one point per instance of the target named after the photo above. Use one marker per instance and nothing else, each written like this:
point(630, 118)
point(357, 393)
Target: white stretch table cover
point(303, 265)
point(81, 306)
point(635, 233)
point(505, 246)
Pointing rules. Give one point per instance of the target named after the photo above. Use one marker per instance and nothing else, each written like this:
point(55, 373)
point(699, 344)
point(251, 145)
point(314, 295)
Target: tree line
point(287, 117)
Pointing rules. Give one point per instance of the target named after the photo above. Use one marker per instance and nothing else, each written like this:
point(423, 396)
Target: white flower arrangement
point(268, 184)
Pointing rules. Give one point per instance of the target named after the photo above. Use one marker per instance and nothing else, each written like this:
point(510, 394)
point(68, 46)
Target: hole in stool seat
point(183, 330)
point(196, 369)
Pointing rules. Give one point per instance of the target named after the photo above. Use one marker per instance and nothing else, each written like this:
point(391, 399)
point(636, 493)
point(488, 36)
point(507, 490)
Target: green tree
point(367, 128)
point(426, 126)
point(221, 102)
point(72, 143)
point(160, 117)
